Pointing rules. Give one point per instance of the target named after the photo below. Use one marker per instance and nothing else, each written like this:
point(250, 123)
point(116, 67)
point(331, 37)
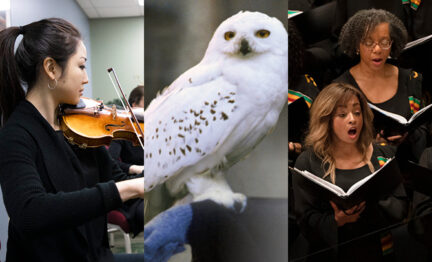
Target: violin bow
point(125, 101)
point(133, 116)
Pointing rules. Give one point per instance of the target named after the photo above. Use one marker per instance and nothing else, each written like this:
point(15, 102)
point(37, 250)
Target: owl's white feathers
point(215, 113)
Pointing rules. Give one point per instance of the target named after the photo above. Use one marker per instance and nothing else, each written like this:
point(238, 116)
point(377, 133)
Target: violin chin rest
point(81, 104)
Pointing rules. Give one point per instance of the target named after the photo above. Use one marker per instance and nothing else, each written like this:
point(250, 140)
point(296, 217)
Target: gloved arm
point(166, 234)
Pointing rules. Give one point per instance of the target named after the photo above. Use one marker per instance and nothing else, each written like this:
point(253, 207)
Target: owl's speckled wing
point(187, 124)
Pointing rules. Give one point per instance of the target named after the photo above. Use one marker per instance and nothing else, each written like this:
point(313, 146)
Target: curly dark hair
point(358, 27)
point(295, 52)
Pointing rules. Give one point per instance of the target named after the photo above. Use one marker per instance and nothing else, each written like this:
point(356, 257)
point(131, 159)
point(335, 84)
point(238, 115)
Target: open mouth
point(352, 132)
point(377, 60)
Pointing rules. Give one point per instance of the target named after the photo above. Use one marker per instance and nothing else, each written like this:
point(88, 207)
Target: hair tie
point(21, 30)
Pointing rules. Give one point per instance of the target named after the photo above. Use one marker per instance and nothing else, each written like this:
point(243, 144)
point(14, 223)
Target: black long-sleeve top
point(56, 198)
point(126, 154)
point(316, 217)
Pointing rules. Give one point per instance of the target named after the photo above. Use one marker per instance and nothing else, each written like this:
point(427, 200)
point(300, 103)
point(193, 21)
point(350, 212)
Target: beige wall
point(117, 43)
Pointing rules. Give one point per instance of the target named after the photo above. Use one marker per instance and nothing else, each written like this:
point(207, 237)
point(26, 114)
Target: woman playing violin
point(56, 194)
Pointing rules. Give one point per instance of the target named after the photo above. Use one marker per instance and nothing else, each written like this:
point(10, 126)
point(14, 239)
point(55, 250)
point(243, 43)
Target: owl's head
point(249, 33)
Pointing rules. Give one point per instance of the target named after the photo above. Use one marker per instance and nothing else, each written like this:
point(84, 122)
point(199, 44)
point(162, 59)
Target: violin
point(92, 124)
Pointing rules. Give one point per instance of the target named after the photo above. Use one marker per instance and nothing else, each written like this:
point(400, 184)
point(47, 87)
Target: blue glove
point(165, 234)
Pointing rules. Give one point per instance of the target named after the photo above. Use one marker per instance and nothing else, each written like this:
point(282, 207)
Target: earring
point(52, 88)
point(357, 52)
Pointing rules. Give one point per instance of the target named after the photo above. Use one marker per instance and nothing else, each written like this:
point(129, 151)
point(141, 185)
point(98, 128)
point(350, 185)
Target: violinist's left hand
point(131, 188)
point(136, 169)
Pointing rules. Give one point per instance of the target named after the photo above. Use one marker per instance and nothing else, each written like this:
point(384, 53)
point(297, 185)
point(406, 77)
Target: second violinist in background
point(130, 158)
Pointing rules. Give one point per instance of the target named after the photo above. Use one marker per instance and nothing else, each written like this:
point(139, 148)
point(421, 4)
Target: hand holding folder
point(371, 188)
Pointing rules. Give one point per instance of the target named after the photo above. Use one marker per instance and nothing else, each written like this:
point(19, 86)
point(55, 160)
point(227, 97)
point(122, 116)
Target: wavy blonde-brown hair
point(320, 137)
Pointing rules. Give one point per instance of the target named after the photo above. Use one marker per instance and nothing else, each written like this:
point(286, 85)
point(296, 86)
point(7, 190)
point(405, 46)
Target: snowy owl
point(215, 113)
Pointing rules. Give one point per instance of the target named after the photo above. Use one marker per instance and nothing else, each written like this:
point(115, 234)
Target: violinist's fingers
point(132, 188)
point(139, 182)
point(136, 169)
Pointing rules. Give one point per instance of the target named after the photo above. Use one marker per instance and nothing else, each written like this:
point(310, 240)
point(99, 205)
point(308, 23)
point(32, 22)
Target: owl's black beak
point(244, 47)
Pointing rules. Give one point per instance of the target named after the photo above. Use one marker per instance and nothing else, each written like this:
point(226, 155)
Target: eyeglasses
point(383, 44)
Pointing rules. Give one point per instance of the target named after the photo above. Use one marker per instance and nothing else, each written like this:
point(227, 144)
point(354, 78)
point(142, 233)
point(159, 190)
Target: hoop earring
point(52, 88)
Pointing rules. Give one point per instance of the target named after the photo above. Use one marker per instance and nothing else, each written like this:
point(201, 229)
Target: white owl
point(215, 113)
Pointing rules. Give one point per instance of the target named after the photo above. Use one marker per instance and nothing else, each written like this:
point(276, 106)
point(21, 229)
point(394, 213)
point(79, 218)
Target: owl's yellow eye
point(229, 35)
point(262, 33)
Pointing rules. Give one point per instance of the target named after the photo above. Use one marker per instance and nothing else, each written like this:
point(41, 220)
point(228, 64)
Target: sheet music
point(417, 42)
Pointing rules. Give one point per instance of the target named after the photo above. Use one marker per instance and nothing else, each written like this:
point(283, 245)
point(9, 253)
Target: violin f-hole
point(107, 127)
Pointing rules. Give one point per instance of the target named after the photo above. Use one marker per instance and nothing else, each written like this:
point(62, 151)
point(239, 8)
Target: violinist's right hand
point(132, 188)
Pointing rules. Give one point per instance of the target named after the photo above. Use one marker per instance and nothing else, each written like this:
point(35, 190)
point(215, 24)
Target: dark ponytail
point(11, 91)
point(53, 37)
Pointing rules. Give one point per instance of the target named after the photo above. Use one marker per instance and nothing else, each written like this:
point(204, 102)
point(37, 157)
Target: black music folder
point(371, 188)
point(416, 177)
point(395, 124)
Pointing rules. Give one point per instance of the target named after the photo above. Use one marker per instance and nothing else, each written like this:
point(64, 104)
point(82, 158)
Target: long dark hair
point(53, 37)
